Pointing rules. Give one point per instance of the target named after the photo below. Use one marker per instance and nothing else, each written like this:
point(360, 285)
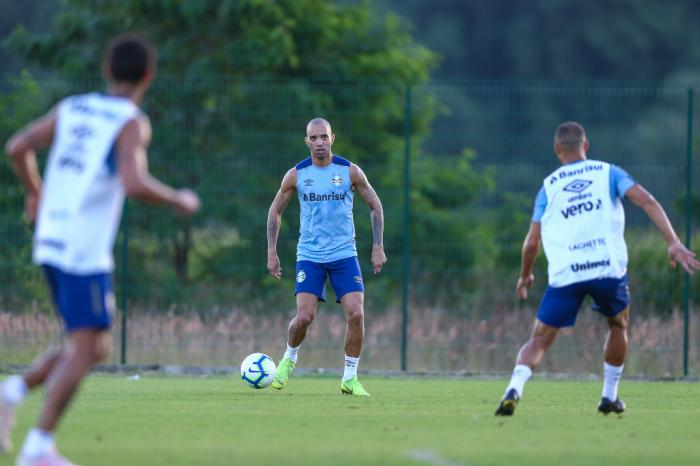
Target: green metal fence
point(456, 164)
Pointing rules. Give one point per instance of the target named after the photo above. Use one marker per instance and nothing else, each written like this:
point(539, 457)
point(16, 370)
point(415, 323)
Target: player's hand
point(273, 264)
point(378, 258)
point(187, 202)
point(31, 205)
point(524, 284)
point(677, 253)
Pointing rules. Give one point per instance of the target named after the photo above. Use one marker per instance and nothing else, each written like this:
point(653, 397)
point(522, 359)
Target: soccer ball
point(258, 370)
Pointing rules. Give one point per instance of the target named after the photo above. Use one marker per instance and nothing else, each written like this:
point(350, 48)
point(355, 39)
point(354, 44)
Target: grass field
point(217, 421)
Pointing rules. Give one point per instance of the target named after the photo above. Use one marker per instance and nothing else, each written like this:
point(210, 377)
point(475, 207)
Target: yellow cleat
point(353, 387)
point(284, 370)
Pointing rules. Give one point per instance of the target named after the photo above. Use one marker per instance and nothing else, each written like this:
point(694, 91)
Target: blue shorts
point(344, 274)
point(82, 301)
point(560, 306)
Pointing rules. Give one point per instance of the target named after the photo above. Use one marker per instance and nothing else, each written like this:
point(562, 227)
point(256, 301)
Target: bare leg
point(41, 368)
point(528, 359)
point(616, 341)
point(306, 312)
point(83, 349)
point(615, 350)
point(353, 305)
point(541, 339)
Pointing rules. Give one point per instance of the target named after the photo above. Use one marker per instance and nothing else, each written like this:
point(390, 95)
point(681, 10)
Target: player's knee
point(100, 352)
point(618, 323)
point(304, 319)
point(355, 315)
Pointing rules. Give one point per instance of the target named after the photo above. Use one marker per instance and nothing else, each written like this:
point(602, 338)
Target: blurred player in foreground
point(580, 220)
point(98, 155)
point(325, 184)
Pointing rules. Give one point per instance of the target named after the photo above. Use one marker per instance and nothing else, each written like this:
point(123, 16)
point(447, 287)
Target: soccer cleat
point(52, 459)
point(508, 403)
point(353, 387)
point(7, 422)
point(284, 370)
point(606, 406)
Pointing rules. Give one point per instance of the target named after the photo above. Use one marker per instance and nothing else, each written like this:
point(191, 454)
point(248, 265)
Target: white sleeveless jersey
point(82, 196)
point(582, 226)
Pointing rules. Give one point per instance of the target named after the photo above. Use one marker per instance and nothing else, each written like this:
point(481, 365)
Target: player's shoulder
point(72, 101)
point(290, 177)
point(599, 162)
point(338, 160)
point(139, 122)
point(306, 163)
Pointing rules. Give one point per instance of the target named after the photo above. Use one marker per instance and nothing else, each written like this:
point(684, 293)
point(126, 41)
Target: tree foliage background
point(239, 79)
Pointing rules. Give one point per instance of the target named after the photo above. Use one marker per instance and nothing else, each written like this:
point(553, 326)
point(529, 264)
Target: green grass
point(217, 421)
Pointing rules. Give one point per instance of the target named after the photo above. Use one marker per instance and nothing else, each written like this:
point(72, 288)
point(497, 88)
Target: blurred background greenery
point(471, 91)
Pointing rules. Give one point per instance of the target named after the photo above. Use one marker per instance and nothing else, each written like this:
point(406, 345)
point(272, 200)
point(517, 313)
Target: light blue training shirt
point(326, 227)
point(620, 182)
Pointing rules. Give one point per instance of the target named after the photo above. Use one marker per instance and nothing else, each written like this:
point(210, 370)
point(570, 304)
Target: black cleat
point(508, 403)
point(606, 406)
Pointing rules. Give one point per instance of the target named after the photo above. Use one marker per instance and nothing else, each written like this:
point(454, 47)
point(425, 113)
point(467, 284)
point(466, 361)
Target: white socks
point(38, 443)
point(517, 381)
point(350, 367)
point(13, 390)
point(291, 353)
point(611, 379)
point(351, 363)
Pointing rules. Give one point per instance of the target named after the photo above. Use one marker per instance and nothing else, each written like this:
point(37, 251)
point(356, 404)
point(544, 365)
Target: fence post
point(688, 232)
point(124, 280)
point(406, 235)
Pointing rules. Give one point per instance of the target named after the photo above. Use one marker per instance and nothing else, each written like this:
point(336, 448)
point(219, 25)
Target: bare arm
point(21, 150)
point(677, 253)
point(274, 218)
point(531, 247)
point(133, 168)
point(376, 215)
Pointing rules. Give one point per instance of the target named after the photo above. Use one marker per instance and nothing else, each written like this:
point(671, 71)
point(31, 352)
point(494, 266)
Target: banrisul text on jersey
point(327, 230)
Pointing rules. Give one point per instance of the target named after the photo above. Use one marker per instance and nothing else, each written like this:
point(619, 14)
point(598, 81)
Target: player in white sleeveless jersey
point(98, 155)
point(325, 184)
point(580, 221)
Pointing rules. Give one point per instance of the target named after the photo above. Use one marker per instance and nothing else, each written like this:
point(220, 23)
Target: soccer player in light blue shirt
point(325, 184)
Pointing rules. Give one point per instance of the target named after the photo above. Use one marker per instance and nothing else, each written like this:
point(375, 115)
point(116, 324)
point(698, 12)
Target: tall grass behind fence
point(197, 291)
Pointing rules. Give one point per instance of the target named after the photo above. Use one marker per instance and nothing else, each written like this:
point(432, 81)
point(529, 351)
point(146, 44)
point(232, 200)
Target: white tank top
point(582, 226)
point(82, 196)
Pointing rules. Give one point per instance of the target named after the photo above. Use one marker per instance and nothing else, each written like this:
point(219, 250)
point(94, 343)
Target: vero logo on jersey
point(581, 208)
point(577, 186)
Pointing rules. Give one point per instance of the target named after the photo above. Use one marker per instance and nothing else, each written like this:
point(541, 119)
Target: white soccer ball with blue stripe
point(258, 370)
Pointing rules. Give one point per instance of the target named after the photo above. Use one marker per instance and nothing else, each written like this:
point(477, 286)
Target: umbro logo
point(577, 186)
point(308, 182)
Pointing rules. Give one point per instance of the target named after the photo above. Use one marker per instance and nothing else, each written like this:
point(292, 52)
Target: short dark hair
point(129, 57)
point(570, 135)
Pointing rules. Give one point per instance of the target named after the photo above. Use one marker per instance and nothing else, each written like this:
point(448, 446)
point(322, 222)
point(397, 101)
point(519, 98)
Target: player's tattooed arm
point(361, 184)
point(274, 219)
point(21, 150)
